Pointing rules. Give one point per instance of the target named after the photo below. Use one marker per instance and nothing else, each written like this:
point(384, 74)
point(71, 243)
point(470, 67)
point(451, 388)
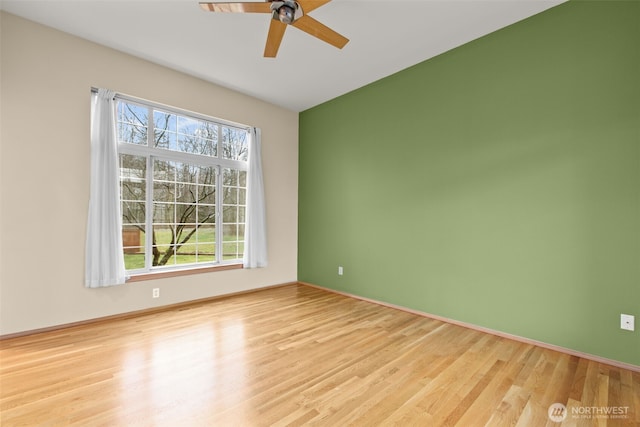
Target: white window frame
point(152, 153)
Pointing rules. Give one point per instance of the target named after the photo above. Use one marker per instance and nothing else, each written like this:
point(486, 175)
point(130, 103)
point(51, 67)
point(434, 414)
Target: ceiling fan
point(287, 12)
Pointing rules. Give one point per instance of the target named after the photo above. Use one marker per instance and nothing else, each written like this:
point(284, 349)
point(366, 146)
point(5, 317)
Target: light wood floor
point(297, 355)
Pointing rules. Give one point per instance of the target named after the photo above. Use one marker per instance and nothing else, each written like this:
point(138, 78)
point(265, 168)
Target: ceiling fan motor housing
point(286, 11)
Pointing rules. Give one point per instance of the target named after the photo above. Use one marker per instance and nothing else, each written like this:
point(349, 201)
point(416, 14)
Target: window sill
point(176, 273)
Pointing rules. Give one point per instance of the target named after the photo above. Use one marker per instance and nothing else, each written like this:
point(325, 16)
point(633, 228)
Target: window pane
point(206, 257)
point(195, 136)
point(132, 123)
point(164, 133)
point(163, 171)
point(206, 214)
point(133, 240)
point(164, 191)
point(163, 255)
point(165, 120)
point(186, 173)
point(132, 190)
point(132, 167)
point(187, 249)
point(230, 177)
point(162, 235)
point(132, 134)
point(166, 140)
point(133, 114)
point(230, 250)
point(186, 193)
point(207, 175)
point(186, 213)
point(206, 194)
point(163, 214)
point(186, 255)
point(230, 214)
point(133, 212)
point(206, 235)
point(230, 196)
point(230, 232)
point(185, 233)
point(196, 145)
point(234, 144)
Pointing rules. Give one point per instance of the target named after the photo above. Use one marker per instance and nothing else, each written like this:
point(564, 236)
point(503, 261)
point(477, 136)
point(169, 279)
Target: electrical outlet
point(340, 270)
point(156, 293)
point(627, 322)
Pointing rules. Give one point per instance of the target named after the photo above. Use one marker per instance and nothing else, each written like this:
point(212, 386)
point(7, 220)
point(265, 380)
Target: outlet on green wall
point(497, 184)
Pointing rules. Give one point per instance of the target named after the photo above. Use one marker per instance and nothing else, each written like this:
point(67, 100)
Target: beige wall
point(46, 77)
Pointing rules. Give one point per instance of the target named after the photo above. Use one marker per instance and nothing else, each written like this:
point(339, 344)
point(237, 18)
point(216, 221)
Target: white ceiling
point(226, 49)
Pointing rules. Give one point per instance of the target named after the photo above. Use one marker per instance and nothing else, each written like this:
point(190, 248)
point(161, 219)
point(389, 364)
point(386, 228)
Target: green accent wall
point(496, 184)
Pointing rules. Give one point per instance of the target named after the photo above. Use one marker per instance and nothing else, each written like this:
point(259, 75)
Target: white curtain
point(104, 258)
point(255, 233)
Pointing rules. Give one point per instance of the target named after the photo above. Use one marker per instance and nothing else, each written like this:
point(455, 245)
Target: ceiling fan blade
point(321, 31)
point(309, 5)
point(238, 7)
point(276, 32)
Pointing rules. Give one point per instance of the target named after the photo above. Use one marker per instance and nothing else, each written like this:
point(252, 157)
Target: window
point(183, 180)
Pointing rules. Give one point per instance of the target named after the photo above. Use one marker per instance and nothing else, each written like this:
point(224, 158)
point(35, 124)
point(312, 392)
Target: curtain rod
point(229, 123)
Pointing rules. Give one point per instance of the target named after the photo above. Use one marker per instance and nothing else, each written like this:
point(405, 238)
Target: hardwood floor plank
point(510, 408)
point(296, 356)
